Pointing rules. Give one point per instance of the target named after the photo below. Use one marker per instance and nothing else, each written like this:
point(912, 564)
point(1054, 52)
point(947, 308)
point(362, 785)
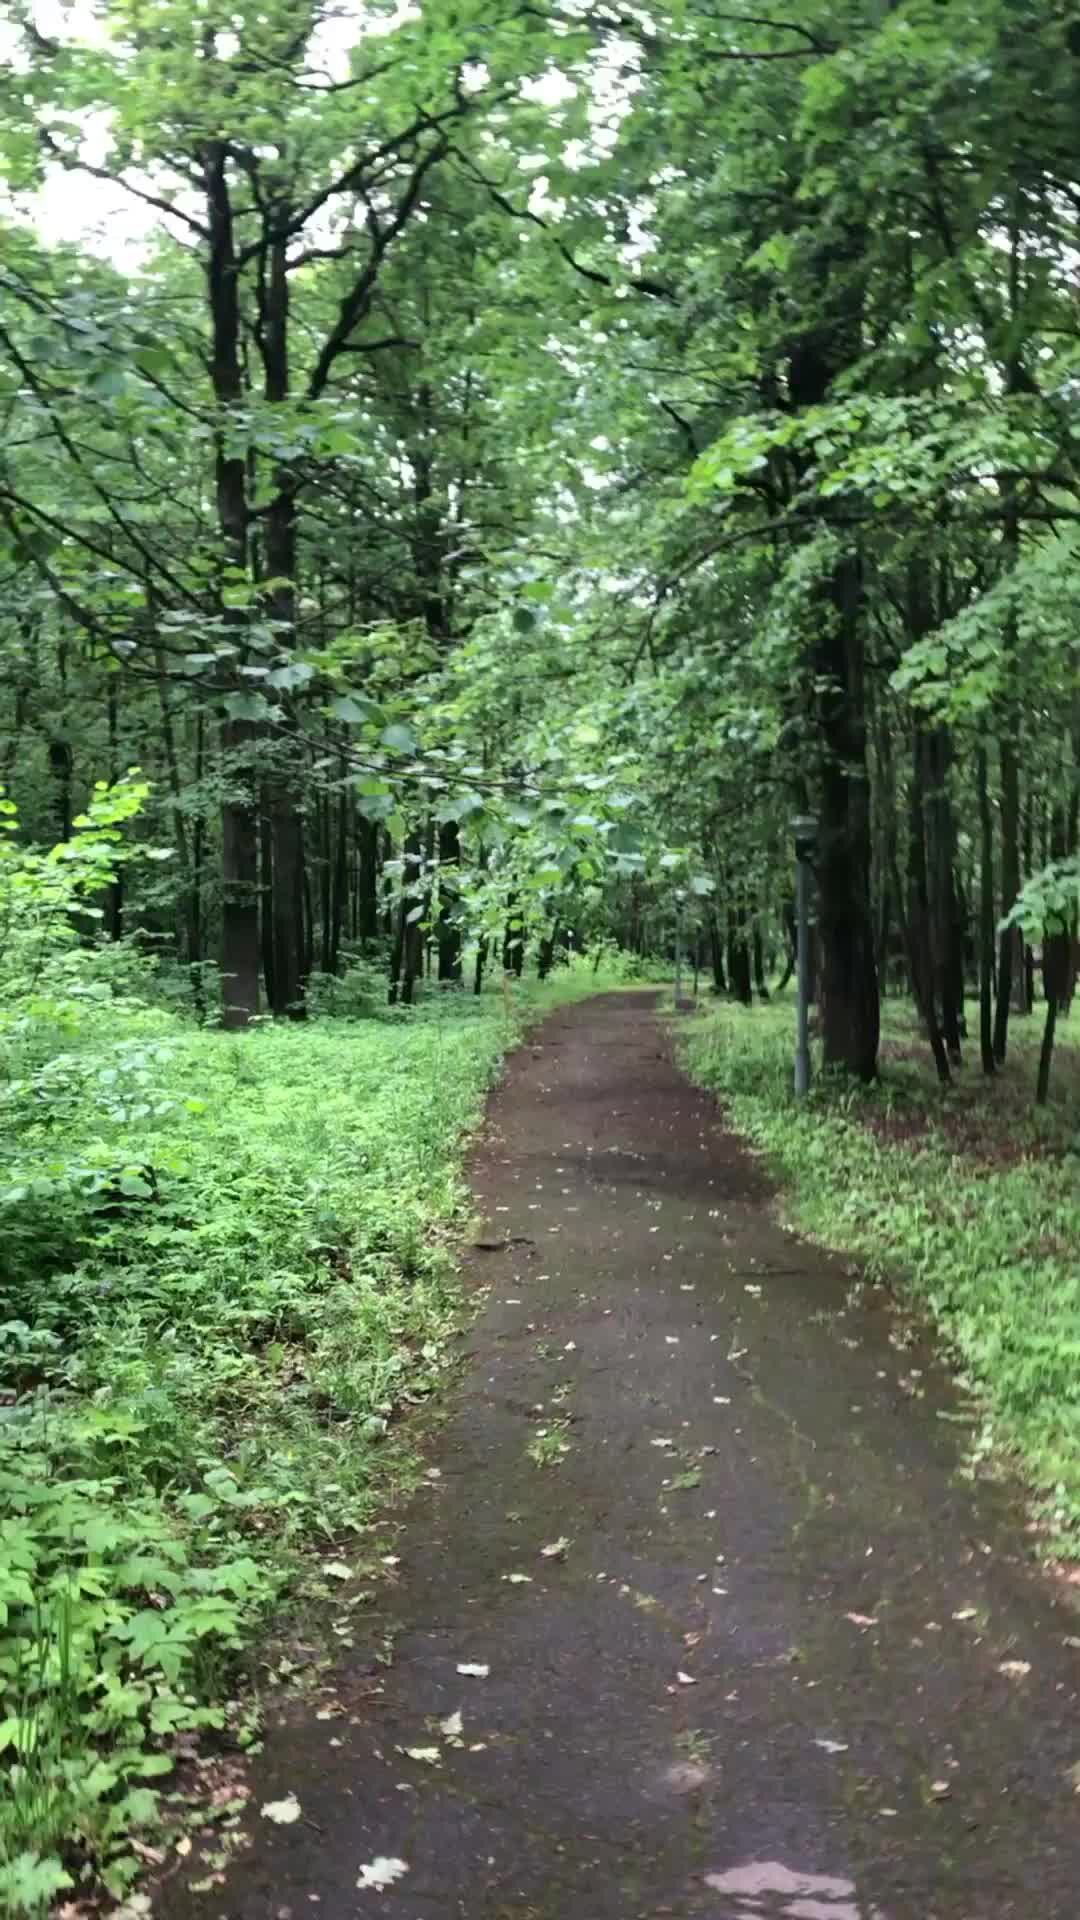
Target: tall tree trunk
point(761, 985)
point(513, 956)
point(738, 956)
point(279, 540)
point(339, 874)
point(986, 913)
point(114, 905)
point(920, 947)
point(948, 965)
point(449, 928)
point(716, 951)
point(1010, 946)
point(850, 1006)
point(239, 831)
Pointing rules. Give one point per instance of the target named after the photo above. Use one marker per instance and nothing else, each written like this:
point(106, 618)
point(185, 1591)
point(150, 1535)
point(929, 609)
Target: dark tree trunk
point(279, 538)
point(986, 914)
point(411, 959)
point(449, 927)
point(850, 1007)
point(114, 906)
point(848, 984)
point(339, 873)
point(545, 958)
point(367, 880)
point(716, 951)
point(920, 949)
point(481, 962)
point(513, 956)
point(948, 964)
point(1010, 939)
point(760, 983)
point(198, 860)
point(239, 832)
point(738, 957)
point(60, 768)
point(239, 880)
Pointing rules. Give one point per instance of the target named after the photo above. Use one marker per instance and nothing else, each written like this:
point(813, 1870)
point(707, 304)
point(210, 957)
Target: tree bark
point(239, 832)
point(449, 936)
point(1010, 939)
point(986, 914)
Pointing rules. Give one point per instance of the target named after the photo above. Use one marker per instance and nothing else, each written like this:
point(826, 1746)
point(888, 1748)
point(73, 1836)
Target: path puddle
point(767, 1890)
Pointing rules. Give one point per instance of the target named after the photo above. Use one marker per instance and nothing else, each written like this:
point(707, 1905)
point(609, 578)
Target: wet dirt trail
point(792, 1664)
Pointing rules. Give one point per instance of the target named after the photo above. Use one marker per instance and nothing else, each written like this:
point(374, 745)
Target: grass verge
point(967, 1199)
point(226, 1267)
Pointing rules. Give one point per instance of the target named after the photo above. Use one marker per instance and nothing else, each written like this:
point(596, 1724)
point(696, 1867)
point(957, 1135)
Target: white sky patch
point(100, 215)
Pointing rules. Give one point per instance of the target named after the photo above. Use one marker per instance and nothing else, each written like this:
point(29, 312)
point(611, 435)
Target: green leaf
point(399, 737)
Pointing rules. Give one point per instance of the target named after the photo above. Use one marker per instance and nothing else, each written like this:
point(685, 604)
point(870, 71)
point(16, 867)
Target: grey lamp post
point(804, 828)
point(680, 897)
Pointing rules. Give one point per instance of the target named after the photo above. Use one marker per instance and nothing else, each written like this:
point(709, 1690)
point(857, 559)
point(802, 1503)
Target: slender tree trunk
point(716, 951)
point(114, 905)
point(449, 928)
point(848, 983)
point(738, 956)
point(339, 876)
point(920, 951)
point(945, 924)
point(239, 830)
point(195, 952)
point(986, 913)
point(761, 985)
point(480, 963)
point(513, 956)
point(1010, 939)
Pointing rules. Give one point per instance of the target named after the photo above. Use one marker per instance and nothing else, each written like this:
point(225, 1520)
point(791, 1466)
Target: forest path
point(771, 1675)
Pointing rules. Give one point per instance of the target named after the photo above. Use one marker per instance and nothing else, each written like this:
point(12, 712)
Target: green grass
point(227, 1268)
point(968, 1200)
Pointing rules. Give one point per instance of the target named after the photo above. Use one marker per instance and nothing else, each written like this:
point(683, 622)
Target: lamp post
point(680, 896)
point(804, 828)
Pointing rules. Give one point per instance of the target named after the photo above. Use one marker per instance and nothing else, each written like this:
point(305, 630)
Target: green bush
point(225, 1269)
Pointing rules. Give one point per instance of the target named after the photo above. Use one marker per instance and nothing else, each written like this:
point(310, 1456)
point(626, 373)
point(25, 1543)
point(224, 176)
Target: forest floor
point(697, 1612)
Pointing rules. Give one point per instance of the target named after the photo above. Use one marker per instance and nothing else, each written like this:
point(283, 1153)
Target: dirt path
point(771, 1675)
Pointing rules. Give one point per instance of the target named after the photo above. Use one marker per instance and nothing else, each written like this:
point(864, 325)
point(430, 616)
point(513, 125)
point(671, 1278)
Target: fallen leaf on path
point(832, 1746)
point(966, 1613)
point(381, 1873)
point(940, 1789)
point(336, 1570)
point(473, 1670)
point(556, 1549)
point(686, 1680)
point(661, 1443)
point(451, 1727)
point(1015, 1669)
point(684, 1481)
point(282, 1812)
point(861, 1619)
point(428, 1756)
point(518, 1579)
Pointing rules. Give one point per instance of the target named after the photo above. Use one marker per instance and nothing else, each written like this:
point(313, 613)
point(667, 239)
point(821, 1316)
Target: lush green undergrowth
point(969, 1199)
point(225, 1270)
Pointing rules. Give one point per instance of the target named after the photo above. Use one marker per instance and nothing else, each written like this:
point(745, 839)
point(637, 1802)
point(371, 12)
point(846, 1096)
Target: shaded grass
point(968, 1199)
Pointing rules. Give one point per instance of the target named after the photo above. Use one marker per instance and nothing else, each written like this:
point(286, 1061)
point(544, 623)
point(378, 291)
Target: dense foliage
point(470, 473)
